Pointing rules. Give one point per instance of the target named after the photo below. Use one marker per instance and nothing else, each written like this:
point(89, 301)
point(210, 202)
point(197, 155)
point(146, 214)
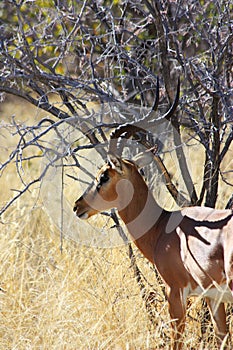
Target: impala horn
point(136, 131)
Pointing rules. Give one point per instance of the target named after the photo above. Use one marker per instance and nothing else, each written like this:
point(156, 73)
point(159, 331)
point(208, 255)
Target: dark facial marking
point(103, 179)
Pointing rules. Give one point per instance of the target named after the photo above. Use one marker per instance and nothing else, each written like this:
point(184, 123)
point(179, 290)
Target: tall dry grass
point(82, 298)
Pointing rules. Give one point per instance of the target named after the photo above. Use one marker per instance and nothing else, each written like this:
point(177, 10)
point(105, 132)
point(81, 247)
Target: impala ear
point(143, 159)
point(115, 162)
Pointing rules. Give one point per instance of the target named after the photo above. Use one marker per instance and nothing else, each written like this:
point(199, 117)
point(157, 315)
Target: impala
point(192, 248)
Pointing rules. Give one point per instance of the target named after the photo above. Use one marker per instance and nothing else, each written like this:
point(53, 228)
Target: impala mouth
point(83, 216)
point(80, 214)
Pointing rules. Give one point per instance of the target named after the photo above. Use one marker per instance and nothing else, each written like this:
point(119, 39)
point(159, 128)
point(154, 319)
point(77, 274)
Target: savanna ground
point(82, 298)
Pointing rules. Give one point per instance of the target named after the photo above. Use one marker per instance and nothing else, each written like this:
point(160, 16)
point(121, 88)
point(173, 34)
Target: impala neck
point(141, 217)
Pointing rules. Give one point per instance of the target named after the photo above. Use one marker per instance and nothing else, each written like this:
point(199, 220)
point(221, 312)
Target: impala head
point(117, 180)
point(113, 187)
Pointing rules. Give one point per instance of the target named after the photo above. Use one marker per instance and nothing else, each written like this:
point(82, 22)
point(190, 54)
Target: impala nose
point(76, 204)
point(81, 212)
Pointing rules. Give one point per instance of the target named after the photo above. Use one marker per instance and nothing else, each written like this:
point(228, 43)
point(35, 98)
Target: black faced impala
point(192, 248)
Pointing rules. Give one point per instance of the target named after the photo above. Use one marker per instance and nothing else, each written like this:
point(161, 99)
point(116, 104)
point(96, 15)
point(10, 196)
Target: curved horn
point(141, 135)
point(156, 102)
point(171, 111)
point(124, 132)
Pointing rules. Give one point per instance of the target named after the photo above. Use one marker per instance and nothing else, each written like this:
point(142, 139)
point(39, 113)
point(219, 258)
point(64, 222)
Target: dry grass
point(84, 298)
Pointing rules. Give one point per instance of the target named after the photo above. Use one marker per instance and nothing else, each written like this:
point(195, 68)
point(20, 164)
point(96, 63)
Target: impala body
point(191, 248)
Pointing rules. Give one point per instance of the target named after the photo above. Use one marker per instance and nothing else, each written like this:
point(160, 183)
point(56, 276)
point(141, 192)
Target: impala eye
point(103, 178)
